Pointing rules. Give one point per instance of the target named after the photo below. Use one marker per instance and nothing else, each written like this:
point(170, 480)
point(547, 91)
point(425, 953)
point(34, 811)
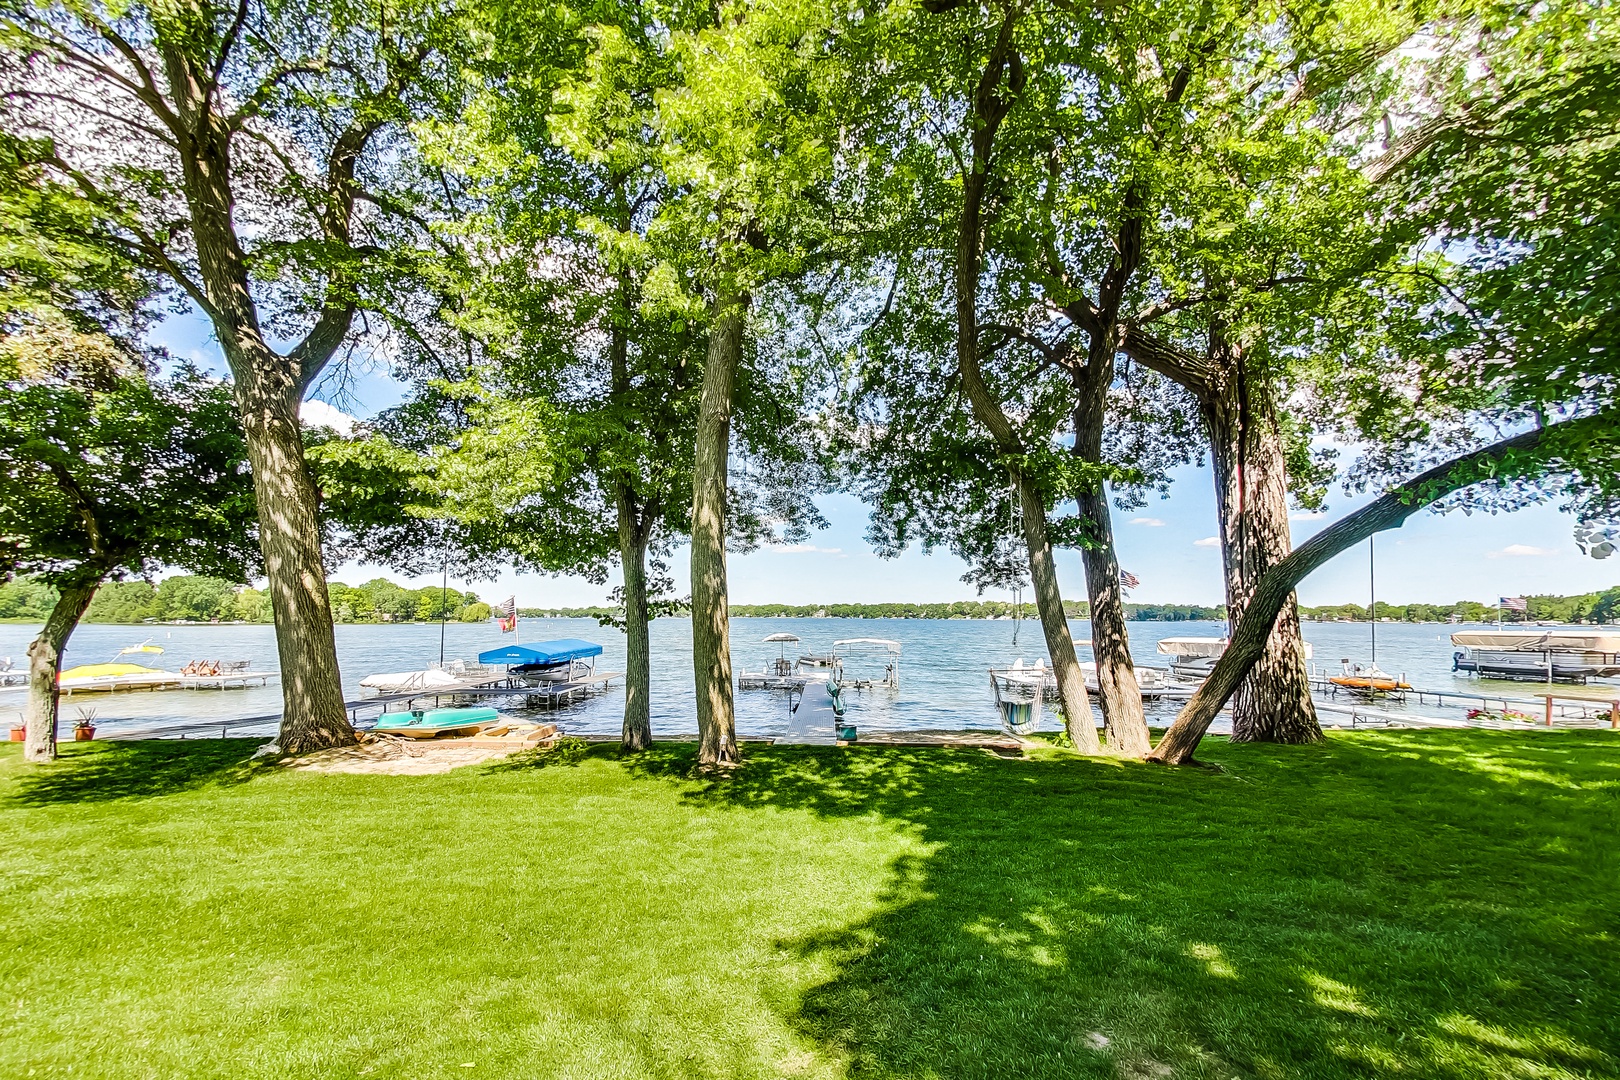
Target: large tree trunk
point(1246, 448)
point(711, 620)
point(1077, 718)
point(1110, 642)
point(269, 390)
point(44, 664)
point(313, 715)
point(990, 107)
point(1506, 460)
point(637, 732)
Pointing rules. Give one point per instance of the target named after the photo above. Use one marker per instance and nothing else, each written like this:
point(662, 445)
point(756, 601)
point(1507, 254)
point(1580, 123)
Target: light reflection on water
point(943, 666)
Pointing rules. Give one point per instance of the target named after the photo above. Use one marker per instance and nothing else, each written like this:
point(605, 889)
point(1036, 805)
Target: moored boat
point(435, 722)
point(1195, 657)
point(1369, 679)
point(107, 678)
point(1537, 655)
point(542, 662)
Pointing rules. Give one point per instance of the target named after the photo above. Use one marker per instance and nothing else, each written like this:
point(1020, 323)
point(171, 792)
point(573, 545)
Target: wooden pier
point(360, 710)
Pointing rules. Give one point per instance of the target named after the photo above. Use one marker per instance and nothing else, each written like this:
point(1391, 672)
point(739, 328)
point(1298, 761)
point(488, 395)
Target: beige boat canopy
point(892, 646)
point(1193, 646)
point(1539, 640)
point(1202, 646)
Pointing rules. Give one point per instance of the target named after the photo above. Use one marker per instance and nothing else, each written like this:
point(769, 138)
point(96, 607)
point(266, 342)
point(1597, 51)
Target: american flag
point(1128, 580)
point(1514, 603)
point(506, 614)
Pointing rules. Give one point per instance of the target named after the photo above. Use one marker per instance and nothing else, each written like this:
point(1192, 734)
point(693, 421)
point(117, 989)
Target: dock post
point(1549, 710)
point(1614, 714)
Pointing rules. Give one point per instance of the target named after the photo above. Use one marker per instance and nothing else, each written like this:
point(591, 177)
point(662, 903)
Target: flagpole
point(1499, 613)
point(1372, 602)
point(444, 591)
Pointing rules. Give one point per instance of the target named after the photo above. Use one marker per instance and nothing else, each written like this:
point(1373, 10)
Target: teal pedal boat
point(426, 725)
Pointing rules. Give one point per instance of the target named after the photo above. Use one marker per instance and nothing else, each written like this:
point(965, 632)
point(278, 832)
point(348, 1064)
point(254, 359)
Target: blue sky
point(1169, 544)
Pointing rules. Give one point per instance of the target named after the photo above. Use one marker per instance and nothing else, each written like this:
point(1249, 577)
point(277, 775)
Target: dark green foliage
point(26, 598)
point(105, 473)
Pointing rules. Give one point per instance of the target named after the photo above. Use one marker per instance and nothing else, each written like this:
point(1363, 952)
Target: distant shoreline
point(25, 621)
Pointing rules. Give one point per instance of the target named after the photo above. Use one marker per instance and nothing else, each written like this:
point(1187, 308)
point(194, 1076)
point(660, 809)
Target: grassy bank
point(1428, 905)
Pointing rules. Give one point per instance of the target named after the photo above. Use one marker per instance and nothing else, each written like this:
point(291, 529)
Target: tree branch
point(1389, 511)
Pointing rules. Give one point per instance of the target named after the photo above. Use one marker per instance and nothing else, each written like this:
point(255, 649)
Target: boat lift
point(891, 669)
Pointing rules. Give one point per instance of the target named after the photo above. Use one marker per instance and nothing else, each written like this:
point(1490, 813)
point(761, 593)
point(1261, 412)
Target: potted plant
point(84, 728)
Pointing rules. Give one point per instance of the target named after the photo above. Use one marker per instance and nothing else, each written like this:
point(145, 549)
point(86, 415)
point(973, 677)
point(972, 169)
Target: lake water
point(943, 680)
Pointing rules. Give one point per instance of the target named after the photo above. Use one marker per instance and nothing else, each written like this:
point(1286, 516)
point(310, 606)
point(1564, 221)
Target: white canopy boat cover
point(1539, 640)
point(1192, 646)
point(892, 646)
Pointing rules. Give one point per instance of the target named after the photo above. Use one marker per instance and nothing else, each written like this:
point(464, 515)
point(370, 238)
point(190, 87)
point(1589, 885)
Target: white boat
point(1153, 683)
point(1194, 657)
point(434, 677)
point(109, 678)
point(1538, 655)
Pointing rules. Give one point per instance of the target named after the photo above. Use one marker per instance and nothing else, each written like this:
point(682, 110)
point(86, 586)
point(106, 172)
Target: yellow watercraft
point(105, 678)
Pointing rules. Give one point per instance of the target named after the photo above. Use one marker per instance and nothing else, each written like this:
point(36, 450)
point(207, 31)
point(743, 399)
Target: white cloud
point(805, 549)
point(1150, 522)
point(1513, 550)
point(1208, 541)
point(1307, 515)
point(320, 414)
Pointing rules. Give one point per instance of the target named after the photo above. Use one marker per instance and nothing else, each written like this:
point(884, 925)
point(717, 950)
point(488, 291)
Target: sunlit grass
point(1438, 904)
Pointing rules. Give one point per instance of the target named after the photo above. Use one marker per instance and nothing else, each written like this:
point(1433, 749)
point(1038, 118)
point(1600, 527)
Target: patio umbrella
point(782, 640)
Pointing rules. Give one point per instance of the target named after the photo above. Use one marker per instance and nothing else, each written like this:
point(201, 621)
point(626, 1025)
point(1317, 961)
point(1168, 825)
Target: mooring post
point(1549, 710)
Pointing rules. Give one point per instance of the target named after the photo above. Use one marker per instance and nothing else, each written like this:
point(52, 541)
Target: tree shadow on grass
point(107, 771)
point(568, 752)
point(1374, 906)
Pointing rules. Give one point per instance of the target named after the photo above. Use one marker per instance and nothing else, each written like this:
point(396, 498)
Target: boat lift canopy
point(1204, 647)
point(542, 652)
point(891, 674)
point(892, 646)
point(1539, 640)
point(1192, 646)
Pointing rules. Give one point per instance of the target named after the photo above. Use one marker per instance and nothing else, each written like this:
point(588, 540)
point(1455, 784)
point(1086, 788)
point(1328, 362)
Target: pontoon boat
point(1536, 655)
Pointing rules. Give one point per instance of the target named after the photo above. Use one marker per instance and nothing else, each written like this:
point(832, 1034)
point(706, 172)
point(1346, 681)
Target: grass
point(1426, 905)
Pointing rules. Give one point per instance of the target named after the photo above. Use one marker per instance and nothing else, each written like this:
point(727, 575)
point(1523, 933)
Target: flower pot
point(83, 734)
point(19, 734)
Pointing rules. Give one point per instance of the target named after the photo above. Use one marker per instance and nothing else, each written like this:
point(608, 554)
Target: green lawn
point(1427, 905)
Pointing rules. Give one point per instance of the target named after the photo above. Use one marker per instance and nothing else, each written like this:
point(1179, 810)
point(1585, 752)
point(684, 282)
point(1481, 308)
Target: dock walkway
point(815, 721)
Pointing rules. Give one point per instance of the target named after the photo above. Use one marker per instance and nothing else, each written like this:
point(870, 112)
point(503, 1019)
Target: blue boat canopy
point(542, 652)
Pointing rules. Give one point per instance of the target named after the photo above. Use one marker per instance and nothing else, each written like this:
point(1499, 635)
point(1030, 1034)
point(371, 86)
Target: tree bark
point(44, 665)
point(1246, 449)
point(1077, 718)
point(1110, 641)
point(1509, 458)
point(711, 620)
point(990, 107)
point(313, 715)
point(637, 732)
point(1116, 688)
point(269, 390)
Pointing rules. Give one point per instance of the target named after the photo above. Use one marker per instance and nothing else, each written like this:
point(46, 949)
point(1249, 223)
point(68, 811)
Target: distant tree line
point(960, 609)
point(199, 598)
point(1592, 607)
